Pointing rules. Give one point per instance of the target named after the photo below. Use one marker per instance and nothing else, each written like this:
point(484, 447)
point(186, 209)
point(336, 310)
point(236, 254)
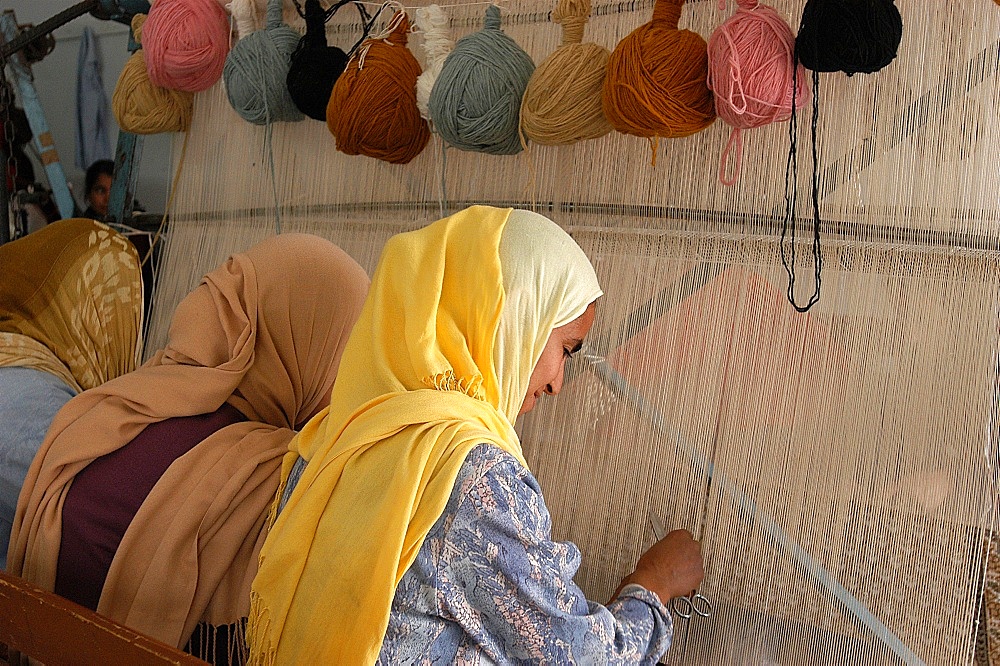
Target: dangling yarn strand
point(834, 36)
point(315, 65)
point(433, 25)
point(257, 68)
point(186, 44)
point(791, 201)
point(562, 103)
point(750, 61)
point(373, 108)
point(656, 79)
point(141, 107)
point(476, 101)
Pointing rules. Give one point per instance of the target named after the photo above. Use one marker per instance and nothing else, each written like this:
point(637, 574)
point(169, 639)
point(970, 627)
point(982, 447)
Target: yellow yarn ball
point(562, 103)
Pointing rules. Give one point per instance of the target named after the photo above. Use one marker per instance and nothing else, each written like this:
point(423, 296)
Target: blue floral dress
point(489, 586)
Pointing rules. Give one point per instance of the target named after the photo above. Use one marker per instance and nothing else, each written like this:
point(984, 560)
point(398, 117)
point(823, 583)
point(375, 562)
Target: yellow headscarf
point(439, 362)
point(71, 303)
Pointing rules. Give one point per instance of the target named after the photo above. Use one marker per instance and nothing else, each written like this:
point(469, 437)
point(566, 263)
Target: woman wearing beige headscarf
point(70, 320)
point(179, 460)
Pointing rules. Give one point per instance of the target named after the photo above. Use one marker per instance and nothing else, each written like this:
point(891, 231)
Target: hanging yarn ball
point(751, 57)
point(373, 107)
point(849, 36)
point(563, 101)
point(257, 67)
point(656, 79)
point(140, 106)
point(315, 66)
point(433, 24)
point(186, 43)
point(476, 100)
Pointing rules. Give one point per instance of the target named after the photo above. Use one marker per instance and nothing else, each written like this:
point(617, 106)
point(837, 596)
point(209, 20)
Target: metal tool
point(693, 605)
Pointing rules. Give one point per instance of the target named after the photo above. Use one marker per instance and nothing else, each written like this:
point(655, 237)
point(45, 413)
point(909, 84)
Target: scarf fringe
point(448, 381)
point(258, 634)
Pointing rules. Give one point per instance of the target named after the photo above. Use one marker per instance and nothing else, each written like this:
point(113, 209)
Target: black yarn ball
point(849, 35)
point(315, 66)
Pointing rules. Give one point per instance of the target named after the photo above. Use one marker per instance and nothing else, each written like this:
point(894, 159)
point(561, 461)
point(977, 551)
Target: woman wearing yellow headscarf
point(410, 528)
point(70, 320)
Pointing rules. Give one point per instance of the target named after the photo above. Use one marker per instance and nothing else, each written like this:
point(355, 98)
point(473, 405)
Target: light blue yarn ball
point(256, 69)
point(476, 101)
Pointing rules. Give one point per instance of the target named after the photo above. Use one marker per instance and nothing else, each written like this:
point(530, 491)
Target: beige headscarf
point(71, 303)
point(264, 333)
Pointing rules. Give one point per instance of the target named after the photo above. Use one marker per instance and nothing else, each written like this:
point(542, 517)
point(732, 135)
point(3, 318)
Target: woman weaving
point(148, 498)
point(410, 529)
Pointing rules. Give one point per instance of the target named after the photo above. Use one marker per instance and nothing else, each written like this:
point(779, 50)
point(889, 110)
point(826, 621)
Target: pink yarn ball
point(750, 69)
point(186, 42)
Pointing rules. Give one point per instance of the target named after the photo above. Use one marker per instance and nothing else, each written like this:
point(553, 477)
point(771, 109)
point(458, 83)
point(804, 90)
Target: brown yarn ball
point(143, 108)
point(656, 84)
point(373, 108)
point(562, 103)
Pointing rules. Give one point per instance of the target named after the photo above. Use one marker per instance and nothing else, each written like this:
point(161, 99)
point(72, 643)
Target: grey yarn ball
point(476, 101)
point(256, 69)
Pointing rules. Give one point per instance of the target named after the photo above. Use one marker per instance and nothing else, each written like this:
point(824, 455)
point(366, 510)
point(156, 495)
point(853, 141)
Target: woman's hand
point(672, 567)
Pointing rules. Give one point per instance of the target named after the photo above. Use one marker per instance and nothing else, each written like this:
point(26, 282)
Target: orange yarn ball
point(373, 108)
point(656, 83)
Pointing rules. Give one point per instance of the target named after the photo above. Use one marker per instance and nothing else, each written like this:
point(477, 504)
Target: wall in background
point(55, 81)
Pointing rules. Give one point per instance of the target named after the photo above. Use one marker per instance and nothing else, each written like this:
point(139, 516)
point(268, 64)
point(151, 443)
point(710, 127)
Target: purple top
point(105, 496)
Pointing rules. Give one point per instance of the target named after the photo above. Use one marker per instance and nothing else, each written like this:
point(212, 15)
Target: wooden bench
point(55, 631)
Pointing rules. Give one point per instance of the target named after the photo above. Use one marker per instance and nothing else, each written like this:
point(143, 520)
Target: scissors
point(695, 603)
point(686, 607)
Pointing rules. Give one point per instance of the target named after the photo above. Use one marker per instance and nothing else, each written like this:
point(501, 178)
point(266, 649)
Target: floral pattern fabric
point(490, 586)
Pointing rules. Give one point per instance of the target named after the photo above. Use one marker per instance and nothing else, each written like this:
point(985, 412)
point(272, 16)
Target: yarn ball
point(562, 103)
point(656, 79)
point(373, 107)
point(186, 43)
point(315, 66)
point(849, 36)
point(433, 24)
point(750, 71)
point(256, 70)
point(476, 100)
point(140, 106)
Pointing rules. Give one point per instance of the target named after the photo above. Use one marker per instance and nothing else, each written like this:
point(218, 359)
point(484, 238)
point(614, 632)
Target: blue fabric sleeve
point(490, 586)
point(29, 400)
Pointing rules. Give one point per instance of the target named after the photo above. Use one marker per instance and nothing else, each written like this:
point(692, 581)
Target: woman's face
point(547, 377)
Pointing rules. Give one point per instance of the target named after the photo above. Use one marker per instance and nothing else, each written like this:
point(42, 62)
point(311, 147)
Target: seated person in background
point(70, 320)
point(410, 529)
point(97, 189)
point(149, 496)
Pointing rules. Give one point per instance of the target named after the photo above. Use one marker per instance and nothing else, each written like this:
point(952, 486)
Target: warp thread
point(186, 44)
point(562, 103)
point(142, 107)
point(656, 79)
point(433, 25)
point(373, 108)
point(476, 101)
point(750, 61)
point(834, 35)
point(257, 67)
point(315, 66)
